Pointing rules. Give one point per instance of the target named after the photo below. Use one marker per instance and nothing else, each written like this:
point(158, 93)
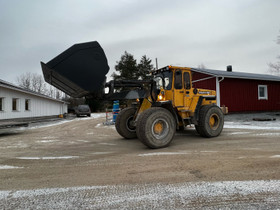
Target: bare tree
point(32, 81)
point(35, 82)
point(274, 68)
point(24, 80)
point(51, 91)
point(201, 66)
point(38, 84)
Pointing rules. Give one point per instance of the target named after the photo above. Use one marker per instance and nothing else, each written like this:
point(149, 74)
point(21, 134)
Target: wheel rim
point(160, 128)
point(214, 121)
point(130, 125)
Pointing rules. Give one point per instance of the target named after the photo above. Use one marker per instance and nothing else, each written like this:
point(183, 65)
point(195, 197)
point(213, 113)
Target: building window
point(1, 104)
point(15, 105)
point(27, 104)
point(262, 92)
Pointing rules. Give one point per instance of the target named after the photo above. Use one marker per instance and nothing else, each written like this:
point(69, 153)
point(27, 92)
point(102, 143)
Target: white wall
point(39, 106)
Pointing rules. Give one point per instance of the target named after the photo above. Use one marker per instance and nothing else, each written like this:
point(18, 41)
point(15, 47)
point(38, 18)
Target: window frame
point(2, 108)
point(265, 97)
point(16, 105)
point(28, 104)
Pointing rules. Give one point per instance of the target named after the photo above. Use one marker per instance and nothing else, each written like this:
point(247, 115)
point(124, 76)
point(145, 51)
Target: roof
point(239, 75)
point(23, 90)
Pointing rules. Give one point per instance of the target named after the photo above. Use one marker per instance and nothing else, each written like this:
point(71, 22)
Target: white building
point(16, 102)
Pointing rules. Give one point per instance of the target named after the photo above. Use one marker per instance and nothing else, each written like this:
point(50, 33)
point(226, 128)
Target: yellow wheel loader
point(165, 103)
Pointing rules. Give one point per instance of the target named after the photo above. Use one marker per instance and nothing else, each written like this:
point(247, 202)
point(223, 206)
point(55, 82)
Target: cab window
point(178, 79)
point(167, 80)
point(187, 81)
point(164, 80)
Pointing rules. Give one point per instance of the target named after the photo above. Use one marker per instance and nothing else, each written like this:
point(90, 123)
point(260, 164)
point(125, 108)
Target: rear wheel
point(125, 123)
point(211, 121)
point(156, 127)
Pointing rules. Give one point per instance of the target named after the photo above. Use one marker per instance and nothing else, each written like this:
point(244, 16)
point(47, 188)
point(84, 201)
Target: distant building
point(16, 102)
point(240, 92)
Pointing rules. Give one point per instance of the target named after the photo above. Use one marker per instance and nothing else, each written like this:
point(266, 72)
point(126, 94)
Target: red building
point(240, 92)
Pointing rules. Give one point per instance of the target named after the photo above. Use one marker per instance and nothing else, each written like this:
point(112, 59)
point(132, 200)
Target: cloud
point(213, 32)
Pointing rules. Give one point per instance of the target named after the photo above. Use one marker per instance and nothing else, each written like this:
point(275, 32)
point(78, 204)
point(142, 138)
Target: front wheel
point(211, 121)
point(125, 123)
point(156, 127)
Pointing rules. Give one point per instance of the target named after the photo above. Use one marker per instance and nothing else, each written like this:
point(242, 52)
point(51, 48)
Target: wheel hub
point(214, 121)
point(130, 124)
point(160, 128)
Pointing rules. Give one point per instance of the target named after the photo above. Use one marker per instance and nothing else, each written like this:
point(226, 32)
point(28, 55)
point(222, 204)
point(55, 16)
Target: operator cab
point(172, 83)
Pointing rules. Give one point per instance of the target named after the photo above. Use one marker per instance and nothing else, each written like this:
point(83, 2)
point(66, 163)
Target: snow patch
point(9, 167)
point(164, 153)
point(101, 153)
point(109, 144)
point(255, 125)
point(44, 191)
point(46, 141)
point(50, 124)
point(209, 151)
point(92, 116)
point(48, 137)
point(47, 158)
point(157, 196)
point(275, 156)
point(18, 145)
point(267, 134)
point(239, 133)
point(83, 141)
point(98, 115)
point(98, 125)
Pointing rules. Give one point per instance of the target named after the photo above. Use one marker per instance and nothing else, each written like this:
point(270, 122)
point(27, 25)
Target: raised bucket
point(78, 71)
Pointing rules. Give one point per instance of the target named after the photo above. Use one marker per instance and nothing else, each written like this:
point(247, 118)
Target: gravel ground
point(82, 164)
point(208, 195)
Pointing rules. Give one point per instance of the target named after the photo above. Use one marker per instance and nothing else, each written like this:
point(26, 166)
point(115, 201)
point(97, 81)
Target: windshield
point(164, 80)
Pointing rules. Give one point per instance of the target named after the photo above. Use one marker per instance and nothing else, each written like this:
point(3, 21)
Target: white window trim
point(17, 104)
point(265, 97)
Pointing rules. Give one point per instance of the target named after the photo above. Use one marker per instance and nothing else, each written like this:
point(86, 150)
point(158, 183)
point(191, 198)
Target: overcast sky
point(185, 33)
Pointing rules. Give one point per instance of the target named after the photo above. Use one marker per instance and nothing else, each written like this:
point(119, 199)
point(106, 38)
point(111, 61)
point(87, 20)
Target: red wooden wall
point(205, 84)
point(241, 95)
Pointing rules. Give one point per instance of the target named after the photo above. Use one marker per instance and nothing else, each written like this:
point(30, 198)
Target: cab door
point(178, 95)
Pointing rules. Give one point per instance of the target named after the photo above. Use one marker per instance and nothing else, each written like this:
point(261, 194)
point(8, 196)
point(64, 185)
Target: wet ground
point(83, 164)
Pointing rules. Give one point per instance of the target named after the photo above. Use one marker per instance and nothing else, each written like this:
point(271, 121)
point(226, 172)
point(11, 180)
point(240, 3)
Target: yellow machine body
point(183, 96)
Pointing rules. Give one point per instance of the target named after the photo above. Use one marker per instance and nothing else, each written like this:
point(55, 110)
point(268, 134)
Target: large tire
point(211, 121)
point(124, 123)
point(156, 127)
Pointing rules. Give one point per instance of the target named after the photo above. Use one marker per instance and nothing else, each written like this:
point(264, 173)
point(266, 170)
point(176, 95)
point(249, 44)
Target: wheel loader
point(162, 105)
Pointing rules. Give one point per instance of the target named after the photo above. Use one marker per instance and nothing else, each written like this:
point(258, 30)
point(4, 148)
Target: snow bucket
point(78, 71)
